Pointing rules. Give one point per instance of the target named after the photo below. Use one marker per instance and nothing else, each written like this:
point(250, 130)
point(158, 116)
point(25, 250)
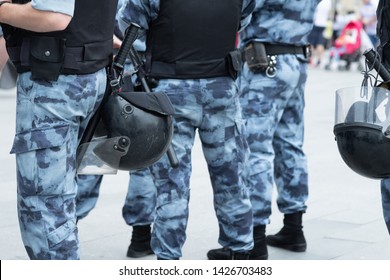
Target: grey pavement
point(344, 219)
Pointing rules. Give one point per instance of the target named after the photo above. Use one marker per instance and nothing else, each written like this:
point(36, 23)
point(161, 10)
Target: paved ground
point(344, 218)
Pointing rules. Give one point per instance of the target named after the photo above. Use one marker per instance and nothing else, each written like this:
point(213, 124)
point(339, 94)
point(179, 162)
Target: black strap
point(187, 70)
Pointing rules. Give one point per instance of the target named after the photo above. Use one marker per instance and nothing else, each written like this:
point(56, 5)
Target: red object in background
point(349, 47)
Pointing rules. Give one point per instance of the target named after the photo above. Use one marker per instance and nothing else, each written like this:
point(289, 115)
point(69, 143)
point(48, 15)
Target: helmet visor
point(369, 105)
point(102, 155)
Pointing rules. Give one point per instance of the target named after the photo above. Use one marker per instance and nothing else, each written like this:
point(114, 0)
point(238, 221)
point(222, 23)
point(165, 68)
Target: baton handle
point(131, 35)
point(372, 58)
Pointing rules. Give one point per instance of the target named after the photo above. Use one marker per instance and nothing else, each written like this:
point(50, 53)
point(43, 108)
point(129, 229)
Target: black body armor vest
point(84, 47)
point(193, 38)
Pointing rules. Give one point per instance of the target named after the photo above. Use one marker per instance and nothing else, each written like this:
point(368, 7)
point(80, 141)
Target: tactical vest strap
point(188, 70)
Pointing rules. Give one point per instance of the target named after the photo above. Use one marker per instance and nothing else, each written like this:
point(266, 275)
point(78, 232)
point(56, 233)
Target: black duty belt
point(76, 60)
point(262, 57)
point(272, 49)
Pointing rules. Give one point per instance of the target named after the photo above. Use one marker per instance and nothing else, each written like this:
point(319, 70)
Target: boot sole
point(139, 254)
point(226, 256)
point(263, 257)
point(295, 247)
point(211, 258)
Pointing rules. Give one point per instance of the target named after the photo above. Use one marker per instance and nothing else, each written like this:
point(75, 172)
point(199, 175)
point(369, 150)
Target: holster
point(46, 57)
point(256, 57)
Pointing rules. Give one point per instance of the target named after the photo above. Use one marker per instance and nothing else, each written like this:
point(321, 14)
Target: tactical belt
point(262, 57)
point(72, 60)
point(272, 49)
point(287, 49)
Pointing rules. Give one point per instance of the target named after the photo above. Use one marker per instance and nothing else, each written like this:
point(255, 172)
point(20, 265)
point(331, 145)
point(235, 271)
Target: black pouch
point(46, 57)
point(256, 57)
point(234, 63)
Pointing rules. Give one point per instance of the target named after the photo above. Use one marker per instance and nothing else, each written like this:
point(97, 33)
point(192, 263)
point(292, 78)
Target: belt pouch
point(234, 63)
point(256, 57)
point(46, 57)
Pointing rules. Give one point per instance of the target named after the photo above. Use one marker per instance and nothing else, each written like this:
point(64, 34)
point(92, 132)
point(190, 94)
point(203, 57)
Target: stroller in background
point(349, 47)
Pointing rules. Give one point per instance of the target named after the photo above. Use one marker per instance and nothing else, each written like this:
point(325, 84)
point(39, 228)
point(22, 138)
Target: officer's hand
point(117, 42)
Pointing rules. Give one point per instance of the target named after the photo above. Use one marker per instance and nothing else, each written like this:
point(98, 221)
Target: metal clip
point(271, 68)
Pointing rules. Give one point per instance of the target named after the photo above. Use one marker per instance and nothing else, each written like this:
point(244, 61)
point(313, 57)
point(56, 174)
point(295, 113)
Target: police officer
point(139, 204)
point(272, 84)
point(61, 62)
point(190, 50)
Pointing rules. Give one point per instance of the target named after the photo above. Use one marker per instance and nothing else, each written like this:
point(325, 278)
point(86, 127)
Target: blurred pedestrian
point(367, 14)
point(316, 37)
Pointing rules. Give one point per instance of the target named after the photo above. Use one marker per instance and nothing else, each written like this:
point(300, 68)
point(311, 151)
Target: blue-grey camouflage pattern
point(140, 203)
point(50, 118)
point(385, 191)
point(274, 109)
point(280, 22)
point(87, 194)
point(212, 107)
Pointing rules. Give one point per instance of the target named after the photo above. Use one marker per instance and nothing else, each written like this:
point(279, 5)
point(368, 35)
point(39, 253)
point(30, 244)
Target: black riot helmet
point(362, 130)
point(139, 129)
point(134, 131)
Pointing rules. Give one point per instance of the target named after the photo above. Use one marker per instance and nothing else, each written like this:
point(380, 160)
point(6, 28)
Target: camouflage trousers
point(87, 194)
point(140, 202)
point(50, 117)
point(273, 109)
point(141, 199)
point(211, 107)
point(385, 190)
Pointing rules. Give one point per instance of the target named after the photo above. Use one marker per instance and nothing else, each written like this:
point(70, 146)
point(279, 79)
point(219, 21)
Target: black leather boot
point(239, 255)
point(140, 242)
point(259, 251)
point(219, 254)
point(290, 237)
